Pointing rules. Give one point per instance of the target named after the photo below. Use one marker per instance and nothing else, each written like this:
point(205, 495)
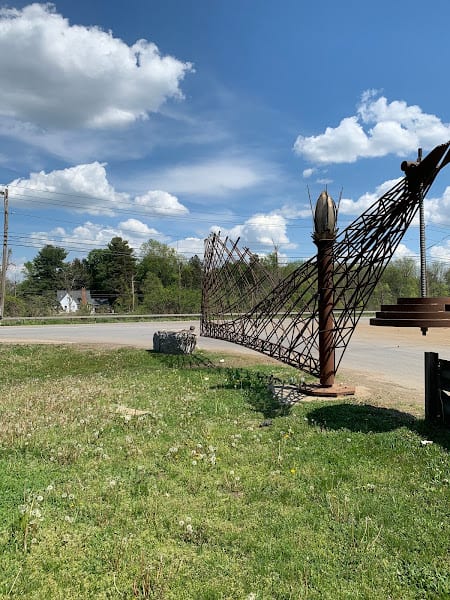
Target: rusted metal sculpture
point(243, 304)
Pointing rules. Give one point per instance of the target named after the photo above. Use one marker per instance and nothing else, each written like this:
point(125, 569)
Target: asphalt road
point(393, 355)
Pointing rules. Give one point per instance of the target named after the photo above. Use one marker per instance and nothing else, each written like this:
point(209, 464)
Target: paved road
point(393, 355)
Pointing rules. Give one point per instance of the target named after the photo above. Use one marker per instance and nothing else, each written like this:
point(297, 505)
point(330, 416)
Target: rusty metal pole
point(324, 237)
point(325, 267)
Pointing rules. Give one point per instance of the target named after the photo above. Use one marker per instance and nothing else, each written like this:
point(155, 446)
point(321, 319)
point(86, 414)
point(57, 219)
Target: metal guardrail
point(99, 316)
point(437, 388)
point(104, 316)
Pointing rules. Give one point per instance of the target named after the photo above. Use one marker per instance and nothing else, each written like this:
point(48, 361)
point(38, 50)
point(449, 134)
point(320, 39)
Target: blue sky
point(169, 119)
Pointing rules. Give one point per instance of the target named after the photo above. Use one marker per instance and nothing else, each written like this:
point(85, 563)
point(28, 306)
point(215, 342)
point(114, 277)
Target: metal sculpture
point(242, 303)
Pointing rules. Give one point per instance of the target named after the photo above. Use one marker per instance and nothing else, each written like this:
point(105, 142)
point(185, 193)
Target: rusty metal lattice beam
point(242, 303)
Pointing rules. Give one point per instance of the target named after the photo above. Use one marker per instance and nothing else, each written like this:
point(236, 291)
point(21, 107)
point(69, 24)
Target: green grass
point(193, 499)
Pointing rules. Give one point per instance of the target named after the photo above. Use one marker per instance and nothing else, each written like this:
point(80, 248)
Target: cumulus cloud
point(437, 210)
point(308, 172)
point(88, 236)
point(83, 188)
point(189, 246)
point(441, 252)
point(67, 76)
point(260, 231)
point(356, 207)
point(86, 189)
point(162, 203)
point(403, 251)
point(137, 228)
point(379, 128)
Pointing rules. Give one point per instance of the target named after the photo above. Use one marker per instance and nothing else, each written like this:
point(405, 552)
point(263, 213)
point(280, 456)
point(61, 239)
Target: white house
point(73, 300)
point(66, 301)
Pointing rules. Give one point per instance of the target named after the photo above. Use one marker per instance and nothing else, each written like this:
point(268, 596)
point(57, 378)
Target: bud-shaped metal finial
point(325, 218)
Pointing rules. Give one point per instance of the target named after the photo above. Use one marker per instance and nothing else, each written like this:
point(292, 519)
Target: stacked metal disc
point(415, 312)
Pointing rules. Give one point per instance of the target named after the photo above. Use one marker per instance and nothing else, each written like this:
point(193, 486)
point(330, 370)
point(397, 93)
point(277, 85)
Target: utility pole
point(423, 248)
point(5, 251)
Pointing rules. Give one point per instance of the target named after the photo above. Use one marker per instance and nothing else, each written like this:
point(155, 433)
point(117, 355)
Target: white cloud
point(378, 128)
point(157, 202)
point(215, 177)
point(267, 230)
point(441, 252)
point(138, 229)
point(437, 210)
point(189, 246)
point(404, 252)
point(88, 236)
point(86, 189)
point(83, 188)
point(308, 172)
point(356, 207)
point(64, 76)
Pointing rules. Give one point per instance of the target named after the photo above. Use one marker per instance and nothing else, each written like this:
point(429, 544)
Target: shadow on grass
point(183, 361)
point(367, 418)
point(259, 392)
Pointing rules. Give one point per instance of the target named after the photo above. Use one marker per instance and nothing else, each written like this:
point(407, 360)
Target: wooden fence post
point(432, 386)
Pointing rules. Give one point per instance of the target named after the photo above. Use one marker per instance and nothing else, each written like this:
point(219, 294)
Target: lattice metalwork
point(243, 304)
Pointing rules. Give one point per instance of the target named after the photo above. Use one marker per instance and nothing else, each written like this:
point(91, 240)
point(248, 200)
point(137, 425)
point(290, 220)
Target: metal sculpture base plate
point(333, 391)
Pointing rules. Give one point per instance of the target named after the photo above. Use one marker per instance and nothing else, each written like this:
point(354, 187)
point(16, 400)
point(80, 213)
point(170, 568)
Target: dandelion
point(39, 498)
point(189, 528)
point(49, 488)
point(181, 523)
point(69, 519)
point(194, 462)
point(293, 471)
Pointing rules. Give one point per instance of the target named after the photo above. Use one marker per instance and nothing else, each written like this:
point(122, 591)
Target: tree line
point(162, 281)
point(159, 281)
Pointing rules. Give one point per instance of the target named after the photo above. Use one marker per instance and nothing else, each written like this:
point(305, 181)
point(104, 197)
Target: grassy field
point(127, 474)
